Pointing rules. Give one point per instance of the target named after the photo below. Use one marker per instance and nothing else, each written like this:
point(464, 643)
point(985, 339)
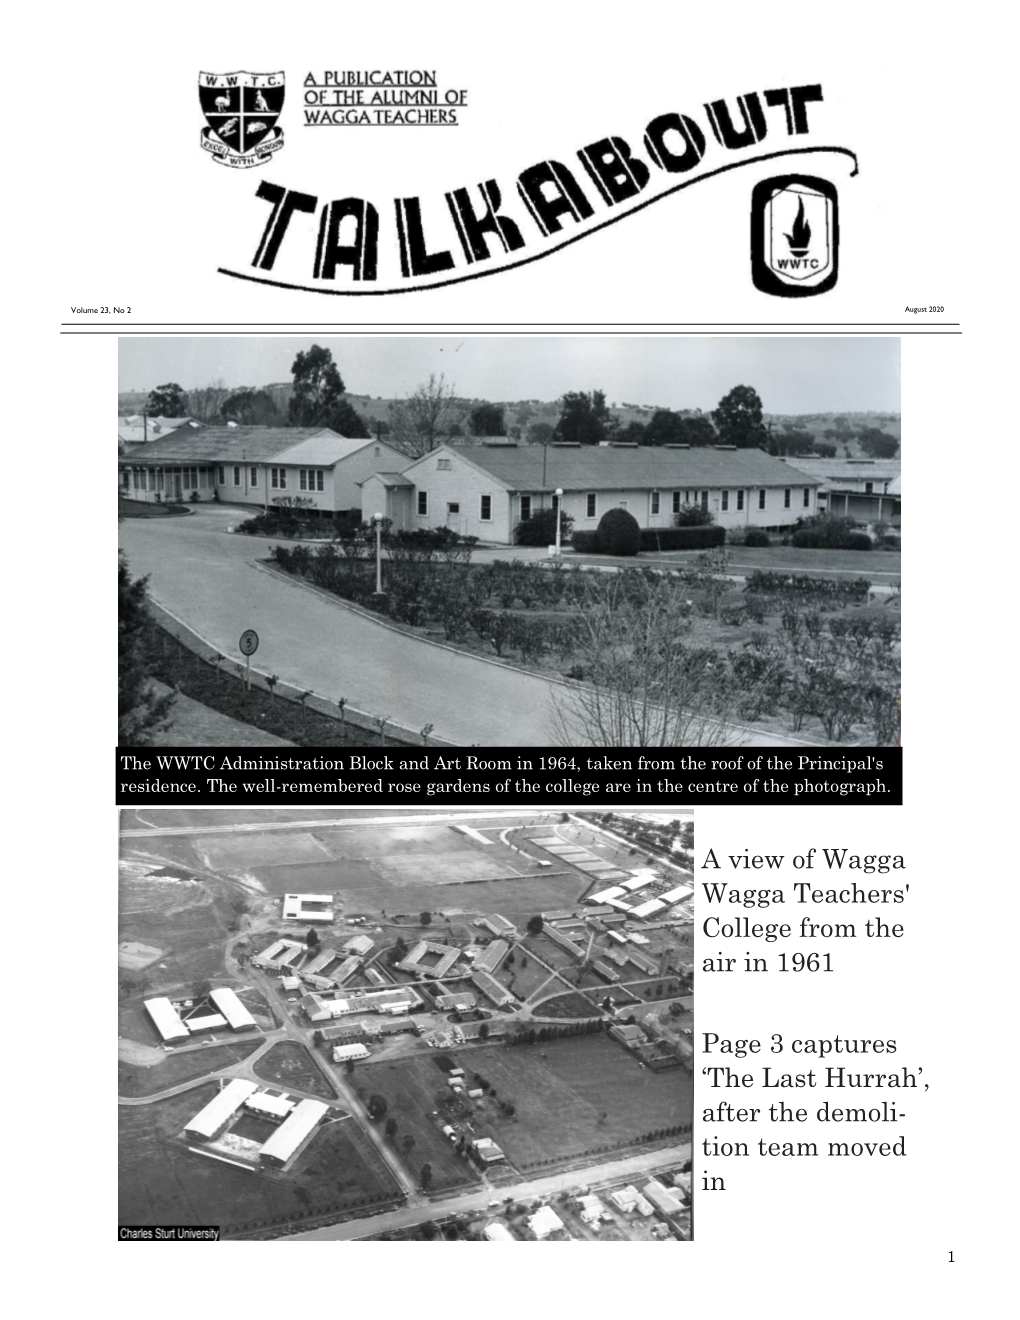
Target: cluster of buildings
point(441, 960)
point(394, 1002)
point(619, 898)
point(328, 969)
point(180, 1019)
point(655, 1198)
point(297, 1120)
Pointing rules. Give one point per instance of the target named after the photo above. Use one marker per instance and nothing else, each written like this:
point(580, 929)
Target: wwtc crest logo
point(241, 110)
point(794, 236)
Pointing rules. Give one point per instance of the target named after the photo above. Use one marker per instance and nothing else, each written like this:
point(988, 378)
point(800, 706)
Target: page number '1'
point(951, 1261)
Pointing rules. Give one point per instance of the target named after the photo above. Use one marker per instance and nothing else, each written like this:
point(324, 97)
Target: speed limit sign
point(249, 642)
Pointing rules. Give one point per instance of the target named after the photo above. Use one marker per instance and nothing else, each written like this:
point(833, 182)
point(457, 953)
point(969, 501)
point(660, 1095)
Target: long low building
point(210, 1121)
point(166, 1019)
point(493, 955)
point(487, 490)
point(291, 1133)
point(270, 1105)
point(348, 1053)
point(308, 907)
point(205, 1022)
point(233, 1010)
point(492, 989)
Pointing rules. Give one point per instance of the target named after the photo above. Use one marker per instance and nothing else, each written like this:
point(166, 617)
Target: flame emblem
point(800, 239)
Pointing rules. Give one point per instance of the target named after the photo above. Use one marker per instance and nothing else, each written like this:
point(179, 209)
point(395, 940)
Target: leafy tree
point(425, 918)
point(540, 433)
point(693, 515)
point(584, 419)
point(391, 1127)
point(167, 401)
point(312, 939)
point(738, 419)
point(699, 432)
point(876, 444)
point(483, 1031)
point(665, 428)
point(540, 528)
point(376, 1106)
point(349, 1067)
point(141, 713)
point(251, 408)
point(487, 419)
point(634, 433)
point(535, 925)
point(318, 398)
point(425, 1177)
point(792, 441)
point(318, 1038)
point(407, 1141)
point(421, 422)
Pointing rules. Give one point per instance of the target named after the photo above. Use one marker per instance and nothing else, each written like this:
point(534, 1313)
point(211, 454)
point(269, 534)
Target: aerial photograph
point(545, 541)
point(406, 1024)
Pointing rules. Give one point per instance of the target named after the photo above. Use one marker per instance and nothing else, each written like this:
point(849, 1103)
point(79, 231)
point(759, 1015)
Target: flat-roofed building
point(273, 1106)
point(308, 907)
point(348, 1053)
point(206, 1022)
point(463, 1002)
point(492, 956)
point(166, 1019)
point(211, 1120)
point(361, 945)
point(293, 1132)
point(290, 982)
point(233, 1010)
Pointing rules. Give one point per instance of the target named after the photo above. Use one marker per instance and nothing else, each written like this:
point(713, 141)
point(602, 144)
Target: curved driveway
point(205, 577)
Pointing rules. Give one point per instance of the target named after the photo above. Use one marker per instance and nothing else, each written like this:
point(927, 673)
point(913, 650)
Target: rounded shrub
point(858, 541)
point(756, 536)
point(619, 533)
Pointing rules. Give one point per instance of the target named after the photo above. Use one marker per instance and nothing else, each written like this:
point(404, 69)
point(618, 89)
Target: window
point(253, 476)
point(725, 501)
point(310, 479)
point(761, 499)
point(237, 476)
point(623, 504)
point(590, 505)
point(740, 500)
point(278, 478)
point(378, 451)
point(807, 497)
point(786, 498)
point(704, 501)
point(443, 464)
point(869, 487)
point(655, 503)
point(423, 504)
point(525, 508)
point(677, 503)
point(486, 508)
point(221, 476)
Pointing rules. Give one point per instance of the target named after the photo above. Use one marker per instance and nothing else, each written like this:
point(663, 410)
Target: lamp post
point(559, 517)
point(377, 518)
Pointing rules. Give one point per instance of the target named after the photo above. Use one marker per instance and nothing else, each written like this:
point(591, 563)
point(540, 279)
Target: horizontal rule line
point(378, 125)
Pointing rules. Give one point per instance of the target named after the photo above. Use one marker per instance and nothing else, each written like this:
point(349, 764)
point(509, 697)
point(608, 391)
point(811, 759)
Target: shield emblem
point(794, 236)
point(241, 110)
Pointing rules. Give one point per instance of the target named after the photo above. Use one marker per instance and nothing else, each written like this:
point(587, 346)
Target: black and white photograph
point(527, 540)
point(461, 1025)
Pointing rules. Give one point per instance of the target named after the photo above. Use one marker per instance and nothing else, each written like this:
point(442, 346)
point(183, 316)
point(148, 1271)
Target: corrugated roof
point(229, 444)
point(593, 467)
point(325, 449)
point(293, 1130)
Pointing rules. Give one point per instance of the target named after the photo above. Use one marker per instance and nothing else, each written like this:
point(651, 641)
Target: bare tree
point(643, 684)
point(420, 423)
point(205, 403)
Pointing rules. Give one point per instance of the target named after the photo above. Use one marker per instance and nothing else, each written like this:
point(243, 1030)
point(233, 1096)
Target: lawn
point(289, 1064)
point(570, 1005)
point(142, 509)
point(134, 1080)
point(562, 1088)
point(413, 1088)
point(162, 1182)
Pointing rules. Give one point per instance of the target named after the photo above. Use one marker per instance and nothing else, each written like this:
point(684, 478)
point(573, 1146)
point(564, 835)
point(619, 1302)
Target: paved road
point(407, 1216)
point(206, 577)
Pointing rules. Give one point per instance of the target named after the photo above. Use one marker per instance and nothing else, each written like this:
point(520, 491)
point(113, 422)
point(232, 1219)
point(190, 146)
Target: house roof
point(594, 467)
point(389, 479)
point(227, 444)
point(324, 449)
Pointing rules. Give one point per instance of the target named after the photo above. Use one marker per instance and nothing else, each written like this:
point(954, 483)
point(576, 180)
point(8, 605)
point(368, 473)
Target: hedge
point(585, 543)
point(682, 538)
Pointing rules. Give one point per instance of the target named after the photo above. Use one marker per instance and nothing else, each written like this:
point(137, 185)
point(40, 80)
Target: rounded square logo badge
point(794, 236)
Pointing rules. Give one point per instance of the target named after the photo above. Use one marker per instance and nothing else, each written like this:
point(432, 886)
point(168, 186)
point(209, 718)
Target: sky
point(790, 374)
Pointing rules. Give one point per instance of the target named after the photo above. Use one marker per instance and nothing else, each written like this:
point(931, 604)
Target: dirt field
point(134, 956)
point(560, 1089)
point(162, 1182)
